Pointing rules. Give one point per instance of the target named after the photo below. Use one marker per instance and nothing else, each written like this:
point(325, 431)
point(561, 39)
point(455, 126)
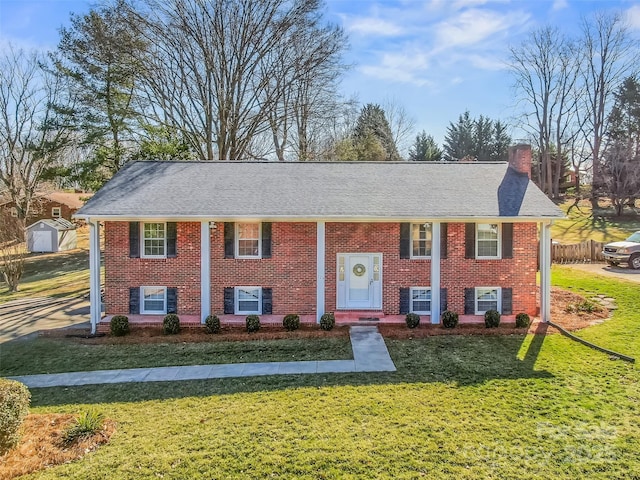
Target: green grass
point(64, 274)
point(458, 407)
point(582, 224)
point(54, 355)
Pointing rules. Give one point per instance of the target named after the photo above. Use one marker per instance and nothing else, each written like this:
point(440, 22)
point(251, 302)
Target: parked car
point(627, 251)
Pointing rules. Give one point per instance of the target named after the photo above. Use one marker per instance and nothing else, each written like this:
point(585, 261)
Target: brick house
point(361, 239)
point(53, 205)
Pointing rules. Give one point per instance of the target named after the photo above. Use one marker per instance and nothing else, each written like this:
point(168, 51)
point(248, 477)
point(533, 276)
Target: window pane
point(248, 240)
point(487, 240)
point(421, 300)
point(487, 299)
point(248, 299)
point(153, 299)
point(421, 239)
point(154, 239)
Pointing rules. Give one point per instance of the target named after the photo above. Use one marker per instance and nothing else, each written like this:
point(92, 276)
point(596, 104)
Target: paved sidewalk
point(370, 354)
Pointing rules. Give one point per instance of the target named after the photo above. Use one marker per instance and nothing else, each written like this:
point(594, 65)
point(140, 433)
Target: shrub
point(491, 318)
point(253, 323)
point(412, 320)
point(327, 321)
point(14, 406)
point(522, 320)
point(449, 319)
point(291, 322)
point(212, 324)
point(171, 324)
point(119, 325)
point(84, 426)
point(585, 306)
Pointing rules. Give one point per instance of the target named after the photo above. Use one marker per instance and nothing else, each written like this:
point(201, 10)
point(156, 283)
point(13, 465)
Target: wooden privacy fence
point(583, 252)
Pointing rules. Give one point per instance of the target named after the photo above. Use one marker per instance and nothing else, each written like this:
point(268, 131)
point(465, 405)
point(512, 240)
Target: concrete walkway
point(370, 354)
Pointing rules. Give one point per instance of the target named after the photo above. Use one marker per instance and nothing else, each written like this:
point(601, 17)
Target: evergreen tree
point(481, 139)
point(372, 125)
point(102, 58)
point(425, 149)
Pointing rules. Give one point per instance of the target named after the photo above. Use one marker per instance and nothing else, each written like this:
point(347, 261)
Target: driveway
point(608, 271)
point(23, 317)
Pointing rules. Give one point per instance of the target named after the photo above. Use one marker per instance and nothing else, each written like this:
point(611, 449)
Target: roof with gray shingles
point(313, 190)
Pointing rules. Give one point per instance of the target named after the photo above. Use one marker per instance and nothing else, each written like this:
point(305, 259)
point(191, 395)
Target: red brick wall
point(290, 272)
point(374, 238)
point(122, 272)
point(519, 272)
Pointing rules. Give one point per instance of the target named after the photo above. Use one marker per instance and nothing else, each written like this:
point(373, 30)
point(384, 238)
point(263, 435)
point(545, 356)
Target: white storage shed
point(51, 235)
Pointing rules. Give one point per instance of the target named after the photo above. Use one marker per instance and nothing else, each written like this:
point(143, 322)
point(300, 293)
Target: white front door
point(359, 281)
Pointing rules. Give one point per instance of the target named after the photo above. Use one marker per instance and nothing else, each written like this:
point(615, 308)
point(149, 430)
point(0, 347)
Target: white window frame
point(498, 242)
point(236, 301)
point(142, 240)
point(477, 294)
point(417, 225)
point(419, 312)
point(142, 303)
point(54, 210)
point(237, 240)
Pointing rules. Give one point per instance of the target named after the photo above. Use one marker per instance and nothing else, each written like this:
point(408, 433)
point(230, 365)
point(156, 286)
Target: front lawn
point(458, 407)
point(55, 355)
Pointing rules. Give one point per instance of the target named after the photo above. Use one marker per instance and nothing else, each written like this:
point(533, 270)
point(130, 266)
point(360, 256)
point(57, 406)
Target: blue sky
point(437, 58)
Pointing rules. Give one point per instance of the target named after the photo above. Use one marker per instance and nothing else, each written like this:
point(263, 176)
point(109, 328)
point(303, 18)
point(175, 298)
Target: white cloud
point(400, 67)
point(559, 5)
point(633, 17)
point(373, 26)
point(474, 26)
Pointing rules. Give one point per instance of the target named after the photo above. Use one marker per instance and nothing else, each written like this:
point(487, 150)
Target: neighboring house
point(49, 205)
point(51, 235)
point(361, 239)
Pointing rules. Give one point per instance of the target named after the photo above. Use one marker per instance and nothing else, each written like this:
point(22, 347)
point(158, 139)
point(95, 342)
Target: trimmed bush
point(522, 320)
point(327, 321)
point(291, 322)
point(84, 426)
point(119, 325)
point(171, 324)
point(449, 319)
point(412, 320)
point(491, 318)
point(253, 323)
point(212, 324)
point(14, 406)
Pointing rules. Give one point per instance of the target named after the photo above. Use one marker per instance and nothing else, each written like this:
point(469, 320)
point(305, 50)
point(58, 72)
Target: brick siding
point(122, 272)
point(291, 270)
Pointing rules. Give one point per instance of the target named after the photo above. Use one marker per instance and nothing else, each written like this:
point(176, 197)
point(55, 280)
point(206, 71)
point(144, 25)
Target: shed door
point(41, 241)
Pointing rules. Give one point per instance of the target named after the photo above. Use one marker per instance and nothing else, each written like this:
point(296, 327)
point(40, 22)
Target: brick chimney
point(520, 158)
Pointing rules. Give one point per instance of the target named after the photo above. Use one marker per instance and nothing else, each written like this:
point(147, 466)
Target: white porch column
point(94, 275)
point(320, 269)
point(545, 271)
point(205, 270)
point(435, 273)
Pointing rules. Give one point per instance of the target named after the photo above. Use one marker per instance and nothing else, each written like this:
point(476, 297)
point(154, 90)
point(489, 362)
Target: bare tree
point(610, 55)
point(215, 68)
point(545, 67)
point(32, 131)
point(12, 251)
point(402, 125)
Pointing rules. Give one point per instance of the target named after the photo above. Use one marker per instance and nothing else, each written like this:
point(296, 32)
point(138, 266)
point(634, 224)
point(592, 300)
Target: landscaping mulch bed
point(41, 445)
point(561, 300)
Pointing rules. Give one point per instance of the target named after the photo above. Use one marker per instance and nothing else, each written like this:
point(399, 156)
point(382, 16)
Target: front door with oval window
point(359, 281)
